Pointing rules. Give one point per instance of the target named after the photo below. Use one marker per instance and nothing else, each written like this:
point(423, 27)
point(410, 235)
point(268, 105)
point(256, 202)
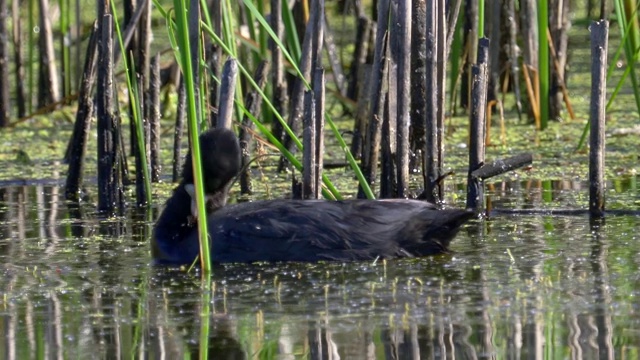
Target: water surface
point(520, 285)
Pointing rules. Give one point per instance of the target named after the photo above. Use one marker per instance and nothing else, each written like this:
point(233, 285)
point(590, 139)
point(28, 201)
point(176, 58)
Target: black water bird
point(293, 230)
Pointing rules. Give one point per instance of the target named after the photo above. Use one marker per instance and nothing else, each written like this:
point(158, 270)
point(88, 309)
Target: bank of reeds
point(394, 85)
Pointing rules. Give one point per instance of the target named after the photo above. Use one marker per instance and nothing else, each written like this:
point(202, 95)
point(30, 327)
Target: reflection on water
point(518, 286)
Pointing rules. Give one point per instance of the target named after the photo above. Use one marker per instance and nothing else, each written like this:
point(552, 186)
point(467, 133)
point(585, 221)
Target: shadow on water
point(518, 286)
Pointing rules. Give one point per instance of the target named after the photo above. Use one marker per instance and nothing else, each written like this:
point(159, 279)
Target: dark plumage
point(295, 230)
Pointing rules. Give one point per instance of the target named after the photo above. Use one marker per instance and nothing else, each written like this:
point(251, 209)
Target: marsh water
point(525, 284)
